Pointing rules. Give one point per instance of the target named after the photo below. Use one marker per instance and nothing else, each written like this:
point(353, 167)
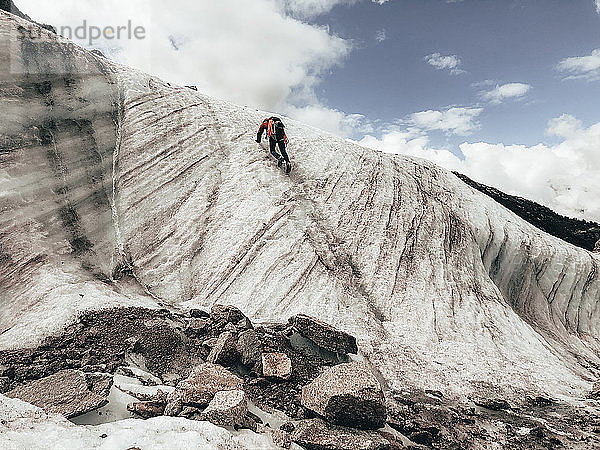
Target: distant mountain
point(581, 233)
point(9, 6)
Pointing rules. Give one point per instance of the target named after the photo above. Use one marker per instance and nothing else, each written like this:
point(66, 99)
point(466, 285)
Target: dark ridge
point(581, 233)
point(9, 6)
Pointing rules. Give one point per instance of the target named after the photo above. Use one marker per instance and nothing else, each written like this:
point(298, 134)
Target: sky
point(505, 91)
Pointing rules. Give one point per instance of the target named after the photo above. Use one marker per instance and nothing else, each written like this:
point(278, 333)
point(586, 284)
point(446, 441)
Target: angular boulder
point(227, 409)
point(347, 394)
point(200, 387)
point(324, 335)
point(276, 365)
point(198, 325)
point(249, 347)
point(315, 434)
point(224, 351)
point(230, 314)
point(68, 392)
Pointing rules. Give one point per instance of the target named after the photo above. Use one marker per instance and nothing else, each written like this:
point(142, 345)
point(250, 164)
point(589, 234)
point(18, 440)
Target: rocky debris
point(147, 409)
point(249, 348)
point(200, 387)
point(99, 342)
point(347, 394)
point(68, 392)
point(315, 434)
point(275, 393)
point(227, 409)
point(324, 335)
point(229, 314)
point(106, 339)
point(224, 351)
point(597, 246)
point(151, 406)
point(276, 365)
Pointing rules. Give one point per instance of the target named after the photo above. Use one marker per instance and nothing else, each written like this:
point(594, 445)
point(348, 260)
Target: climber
point(275, 130)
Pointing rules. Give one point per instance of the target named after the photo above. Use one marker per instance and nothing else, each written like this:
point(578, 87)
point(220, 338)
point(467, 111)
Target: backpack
point(276, 129)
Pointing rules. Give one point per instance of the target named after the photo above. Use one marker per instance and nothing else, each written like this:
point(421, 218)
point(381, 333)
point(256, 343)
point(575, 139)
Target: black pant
point(273, 143)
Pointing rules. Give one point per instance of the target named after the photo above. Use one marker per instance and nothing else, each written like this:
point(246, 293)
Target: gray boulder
point(200, 387)
point(249, 347)
point(223, 314)
point(315, 434)
point(198, 325)
point(347, 394)
point(224, 351)
point(227, 409)
point(68, 392)
point(324, 335)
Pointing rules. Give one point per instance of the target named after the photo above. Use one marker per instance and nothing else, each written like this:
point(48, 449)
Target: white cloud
point(246, 51)
point(381, 2)
point(331, 120)
point(456, 120)
point(565, 177)
point(450, 62)
point(381, 35)
point(310, 8)
point(509, 90)
point(597, 2)
point(585, 67)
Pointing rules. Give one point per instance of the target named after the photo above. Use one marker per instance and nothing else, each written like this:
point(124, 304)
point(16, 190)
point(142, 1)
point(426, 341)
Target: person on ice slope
point(276, 133)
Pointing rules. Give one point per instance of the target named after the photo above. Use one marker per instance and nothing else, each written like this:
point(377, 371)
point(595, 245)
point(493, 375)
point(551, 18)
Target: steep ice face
point(110, 171)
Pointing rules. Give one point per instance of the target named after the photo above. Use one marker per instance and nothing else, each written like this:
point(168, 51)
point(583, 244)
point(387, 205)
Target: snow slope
point(105, 170)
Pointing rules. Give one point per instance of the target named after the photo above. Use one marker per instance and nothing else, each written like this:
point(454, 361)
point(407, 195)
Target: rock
point(227, 409)
point(288, 426)
point(4, 384)
point(597, 246)
point(276, 365)
point(347, 394)
point(229, 314)
point(249, 347)
point(280, 438)
point(171, 379)
point(99, 383)
point(324, 335)
point(147, 409)
point(68, 392)
point(422, 438)
point(200, 387)
point(495, 404)
point(198, 325)
point(315, 434)
point(199, 313)
point(190, 412)
point(225, 351)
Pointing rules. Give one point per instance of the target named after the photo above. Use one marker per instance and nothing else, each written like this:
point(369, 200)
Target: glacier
point(120, 189)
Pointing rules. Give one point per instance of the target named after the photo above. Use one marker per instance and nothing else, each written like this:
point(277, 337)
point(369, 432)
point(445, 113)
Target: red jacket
point(267, 126)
